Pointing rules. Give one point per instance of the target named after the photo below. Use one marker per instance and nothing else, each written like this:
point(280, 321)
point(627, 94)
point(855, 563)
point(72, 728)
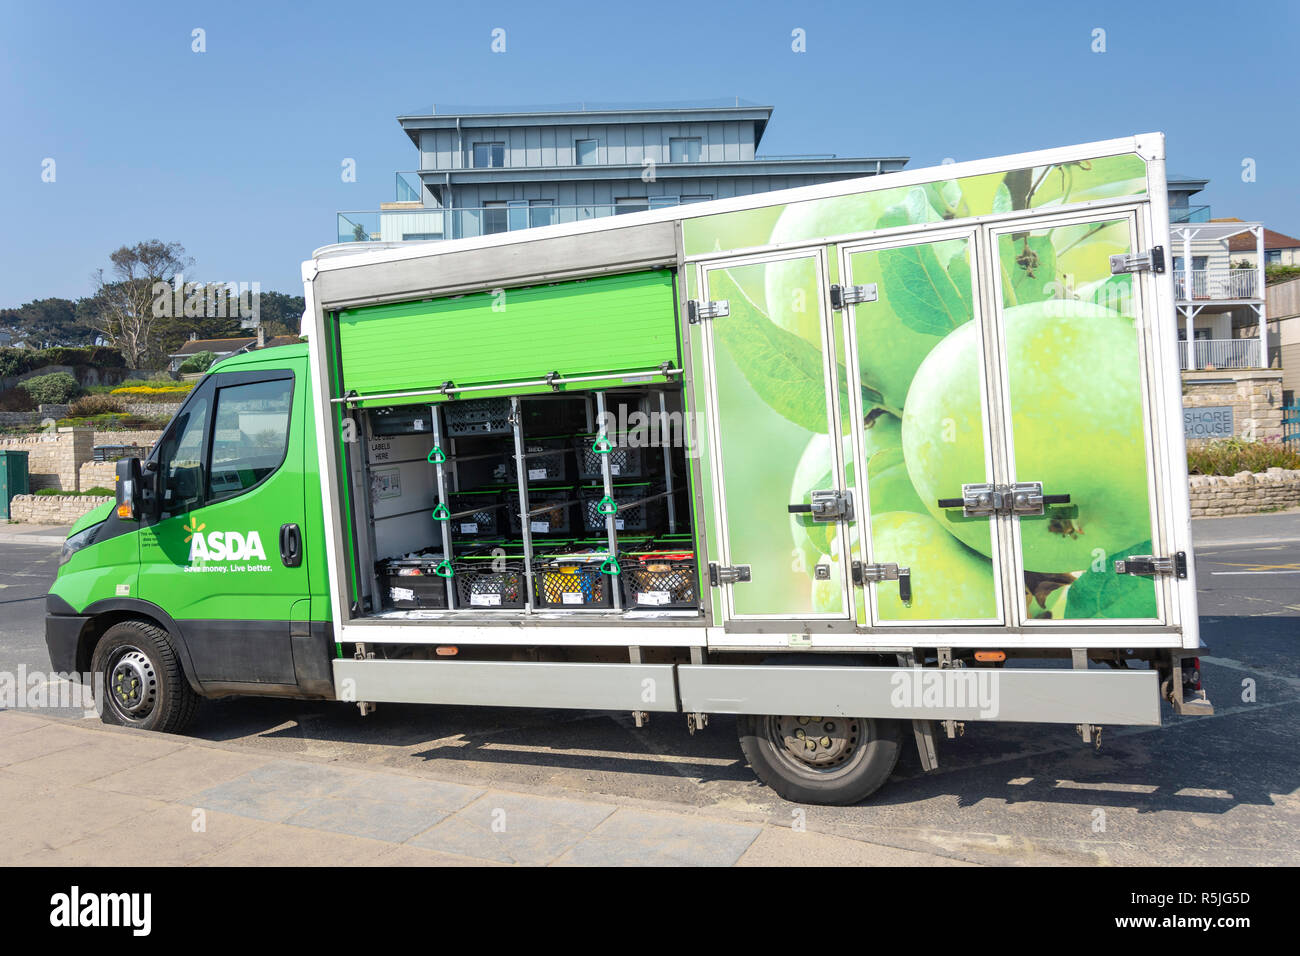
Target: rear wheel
point(823, 760)
point(141, 682)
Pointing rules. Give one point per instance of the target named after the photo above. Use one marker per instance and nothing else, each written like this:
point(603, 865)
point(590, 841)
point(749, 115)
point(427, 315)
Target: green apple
point(949, 580)
point(1076, 427)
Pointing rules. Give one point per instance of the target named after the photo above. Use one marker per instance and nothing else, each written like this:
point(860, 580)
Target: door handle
point(290, 545)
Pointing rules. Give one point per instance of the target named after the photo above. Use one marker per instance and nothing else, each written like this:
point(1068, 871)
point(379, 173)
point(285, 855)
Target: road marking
point(1297, 571)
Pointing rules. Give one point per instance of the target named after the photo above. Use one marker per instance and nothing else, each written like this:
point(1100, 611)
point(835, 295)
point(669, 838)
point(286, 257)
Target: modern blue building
point(487, 172)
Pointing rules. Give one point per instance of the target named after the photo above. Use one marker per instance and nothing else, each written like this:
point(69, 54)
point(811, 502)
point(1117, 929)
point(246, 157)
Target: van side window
point(249, 435)
point(181, 459)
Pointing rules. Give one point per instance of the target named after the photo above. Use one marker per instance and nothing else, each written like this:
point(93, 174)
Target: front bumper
point(63, 627)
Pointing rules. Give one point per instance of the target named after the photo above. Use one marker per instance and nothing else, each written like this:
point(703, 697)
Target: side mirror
point(130, 489)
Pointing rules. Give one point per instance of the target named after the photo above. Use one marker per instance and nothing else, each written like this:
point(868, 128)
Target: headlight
point(78, 541)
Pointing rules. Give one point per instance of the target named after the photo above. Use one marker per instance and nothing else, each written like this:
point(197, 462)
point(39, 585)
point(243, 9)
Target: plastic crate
point(624, 461)
point(477, 416)
point(557, 519)
point(401, 420)
point(489, 583)
point(578, 582)
point(487, 509)
point(412, 584)
point(548, 460)
point(660, 583)
point(647, 515)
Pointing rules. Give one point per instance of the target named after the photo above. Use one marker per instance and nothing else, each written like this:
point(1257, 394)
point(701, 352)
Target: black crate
point(548, 460)
point(487, 513)
point(556, 519)
point(641, 516)
point(660, 583)
point(558, 583)
point(477, 416)
point(624, 462)
point(411, 584)
point(489, 584)
point(401, 420)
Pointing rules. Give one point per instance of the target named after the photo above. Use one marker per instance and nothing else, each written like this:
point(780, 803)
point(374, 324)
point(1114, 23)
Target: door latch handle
point(290, 545)
point(826, 505)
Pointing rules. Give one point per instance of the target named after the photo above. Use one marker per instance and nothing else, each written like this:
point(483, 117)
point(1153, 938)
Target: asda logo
point(223, 545)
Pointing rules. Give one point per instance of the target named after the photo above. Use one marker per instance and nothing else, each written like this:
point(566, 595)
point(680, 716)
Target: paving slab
point(515, 828)
point(181, 774)
point(637, 838)
point(783, 846)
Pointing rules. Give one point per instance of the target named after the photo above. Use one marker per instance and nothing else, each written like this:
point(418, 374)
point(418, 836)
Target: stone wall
point(52, 509)
point(143, 438)
point(151, 409)
point(1244, 492)
point(54, 461)
point(98, 474)
point(1255, 396)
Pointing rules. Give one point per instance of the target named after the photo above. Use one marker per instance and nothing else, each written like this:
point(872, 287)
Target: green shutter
point(611, 324)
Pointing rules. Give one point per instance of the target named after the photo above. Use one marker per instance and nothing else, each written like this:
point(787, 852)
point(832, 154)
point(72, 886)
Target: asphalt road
point(1206, 790)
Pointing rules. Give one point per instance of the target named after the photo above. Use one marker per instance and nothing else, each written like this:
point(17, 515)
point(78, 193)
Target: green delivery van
point(855, 463)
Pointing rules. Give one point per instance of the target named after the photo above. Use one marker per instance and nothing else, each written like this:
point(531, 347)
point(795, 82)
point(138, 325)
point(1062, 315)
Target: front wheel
point(141, 683)
point(823, 760)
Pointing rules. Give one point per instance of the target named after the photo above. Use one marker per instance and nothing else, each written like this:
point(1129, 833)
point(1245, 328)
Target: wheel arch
point(104, 614)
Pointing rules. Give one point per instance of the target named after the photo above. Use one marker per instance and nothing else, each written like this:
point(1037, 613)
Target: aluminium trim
point(649, 687)
point(1028, 695)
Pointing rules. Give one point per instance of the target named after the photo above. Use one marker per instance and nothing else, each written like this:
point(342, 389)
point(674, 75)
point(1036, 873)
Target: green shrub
point(95, 405)
point(18, 361)
point(198, 362)
point(1231, 455)
point(53, 389)
point(106, 492)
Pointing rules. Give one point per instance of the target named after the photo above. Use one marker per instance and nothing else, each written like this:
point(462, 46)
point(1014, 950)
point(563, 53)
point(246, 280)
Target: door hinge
point(1146, 564)
point(720, 575)
point(1153, 260)
point(697, 311)
point(864, 573)
point(842, 296)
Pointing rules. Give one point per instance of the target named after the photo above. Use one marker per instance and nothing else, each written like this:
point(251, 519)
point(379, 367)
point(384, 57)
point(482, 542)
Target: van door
point(1073, 343)
point(225, 558)
point(774, 426)
point(915, 334)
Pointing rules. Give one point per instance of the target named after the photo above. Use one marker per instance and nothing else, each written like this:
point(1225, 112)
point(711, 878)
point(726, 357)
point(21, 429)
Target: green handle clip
point(441, 512)
point(610, 566)
point(444, 569)
point(602, 445)
point(436, 456)
point(607, 506)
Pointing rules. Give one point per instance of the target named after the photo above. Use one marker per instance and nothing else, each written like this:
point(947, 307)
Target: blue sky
point(236, 152)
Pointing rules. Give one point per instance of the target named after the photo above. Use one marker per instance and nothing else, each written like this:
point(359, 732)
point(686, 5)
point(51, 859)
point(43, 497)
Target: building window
point(408, 236)
point(691, 199)
point(684, 149)
point(1272, 257)
point(662, 202)
point(585, 150)
point(487, 155)
point(540, 212)
point(631, 204)
point(495, 218)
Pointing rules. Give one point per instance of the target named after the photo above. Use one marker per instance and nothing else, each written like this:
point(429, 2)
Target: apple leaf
point(927, 297)
point(1105, 594)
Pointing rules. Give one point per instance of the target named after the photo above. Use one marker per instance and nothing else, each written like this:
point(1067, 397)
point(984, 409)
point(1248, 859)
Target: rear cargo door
point(774, 421)
point(1073, 343)
point(920, 430)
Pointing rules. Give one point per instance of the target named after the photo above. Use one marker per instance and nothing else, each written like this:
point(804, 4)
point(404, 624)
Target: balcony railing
point(1210, 354)
point(1189, 214)
point(1216, 284)
point(396, 225)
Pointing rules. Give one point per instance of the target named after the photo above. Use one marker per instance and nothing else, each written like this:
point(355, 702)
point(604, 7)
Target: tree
point(281, 314)
point(42, 323)
point(124, 301)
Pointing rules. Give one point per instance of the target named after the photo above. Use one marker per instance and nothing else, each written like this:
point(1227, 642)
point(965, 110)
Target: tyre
point(833, 761)
point(141, 681)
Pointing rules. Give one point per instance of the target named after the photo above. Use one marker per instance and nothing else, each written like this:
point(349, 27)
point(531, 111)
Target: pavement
point(19, 533)
point(96, 795)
